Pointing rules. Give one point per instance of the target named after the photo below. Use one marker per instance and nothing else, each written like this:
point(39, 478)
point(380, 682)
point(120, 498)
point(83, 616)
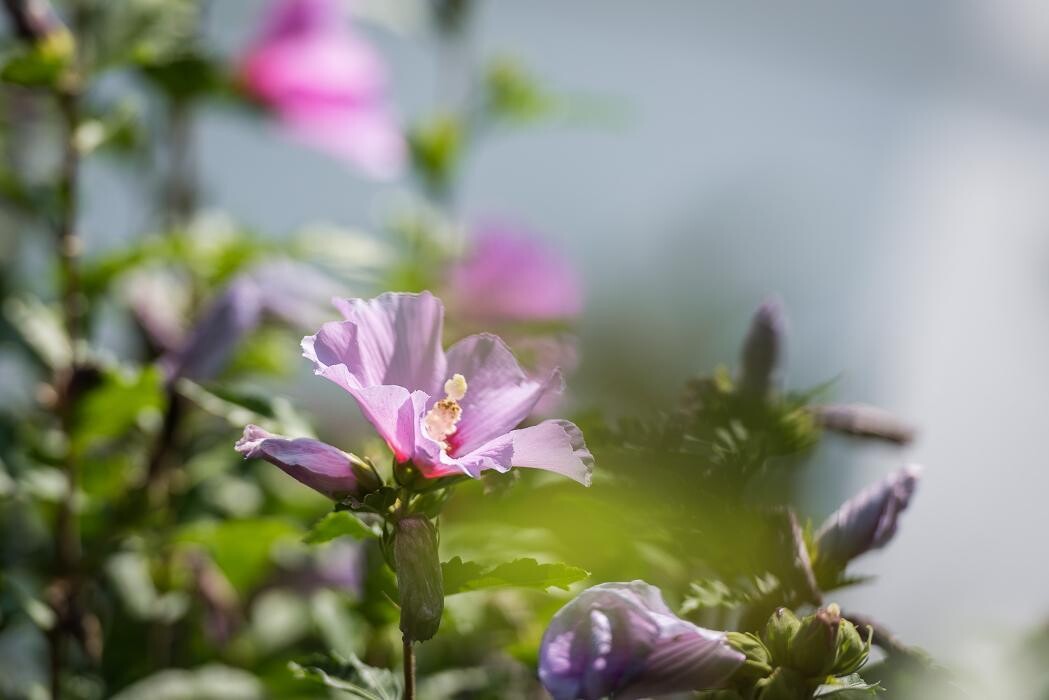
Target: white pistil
point(441, 421)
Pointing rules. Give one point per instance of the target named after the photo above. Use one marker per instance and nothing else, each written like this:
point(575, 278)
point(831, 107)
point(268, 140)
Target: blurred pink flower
point(510, 276)
point(326, 84)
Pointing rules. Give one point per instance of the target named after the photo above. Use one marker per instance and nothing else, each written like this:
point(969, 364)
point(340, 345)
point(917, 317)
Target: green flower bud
point(853, 650)
point(419, 580)
point(814, 649)
point(757, 664)
point(779, 630)
point(784, 684)
point(368, 480)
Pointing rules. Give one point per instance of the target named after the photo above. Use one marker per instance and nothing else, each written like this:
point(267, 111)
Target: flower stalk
point(36, 23)
point(409, 668)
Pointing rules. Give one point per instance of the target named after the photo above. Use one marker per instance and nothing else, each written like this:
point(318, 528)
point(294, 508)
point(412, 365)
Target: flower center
point(442, 420)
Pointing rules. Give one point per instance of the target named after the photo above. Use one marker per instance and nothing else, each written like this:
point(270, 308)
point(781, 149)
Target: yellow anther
point(455, 387)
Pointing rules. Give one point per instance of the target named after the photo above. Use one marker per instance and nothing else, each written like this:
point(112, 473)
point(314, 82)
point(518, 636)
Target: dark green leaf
point(338, 524)
point(353, 677)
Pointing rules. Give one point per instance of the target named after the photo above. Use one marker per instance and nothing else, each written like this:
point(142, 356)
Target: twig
point(881, 636)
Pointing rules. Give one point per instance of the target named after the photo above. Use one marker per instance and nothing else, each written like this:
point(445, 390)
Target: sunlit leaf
point(460, 576)
point(848, 688)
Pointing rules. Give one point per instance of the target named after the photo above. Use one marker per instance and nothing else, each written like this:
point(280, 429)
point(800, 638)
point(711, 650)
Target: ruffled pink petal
point(398, 341)
point(320, 466)
point(395, 411)
point(500, 395)
point(553, 445)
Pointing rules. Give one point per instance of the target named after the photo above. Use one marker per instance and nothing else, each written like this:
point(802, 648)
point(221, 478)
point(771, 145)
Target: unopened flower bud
point(419, 579)
point(868, 520)
point(763, 349)
point(757, 663)
point(324, 468)
point(853, 649)
point(814, 649)
point(864, 421)
point(779, 630)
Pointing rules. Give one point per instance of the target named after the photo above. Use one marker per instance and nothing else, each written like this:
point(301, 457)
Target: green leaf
point(353, 677)
point(436, 148)
point(513, 94)
point(211, 682)
point(714, 593)
point(460, 576)
point(125, 399)
point(145, 31)
point(243, 549)
point(848, 688)
point(42, 64)
point(185, 77)
point(337, 524)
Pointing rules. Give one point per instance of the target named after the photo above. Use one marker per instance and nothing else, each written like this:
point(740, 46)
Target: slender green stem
point(409, 669)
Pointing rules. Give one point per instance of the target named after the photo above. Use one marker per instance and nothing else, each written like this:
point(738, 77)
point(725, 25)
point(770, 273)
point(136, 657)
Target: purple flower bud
point(296, 293)
point(868, 520)
point(323, 468)
point(621, 639)
point(236, 312)
point(763, 349)
point(864, 421)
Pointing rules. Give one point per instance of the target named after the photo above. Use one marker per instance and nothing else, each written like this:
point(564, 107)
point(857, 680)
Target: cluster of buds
point(793, 657)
